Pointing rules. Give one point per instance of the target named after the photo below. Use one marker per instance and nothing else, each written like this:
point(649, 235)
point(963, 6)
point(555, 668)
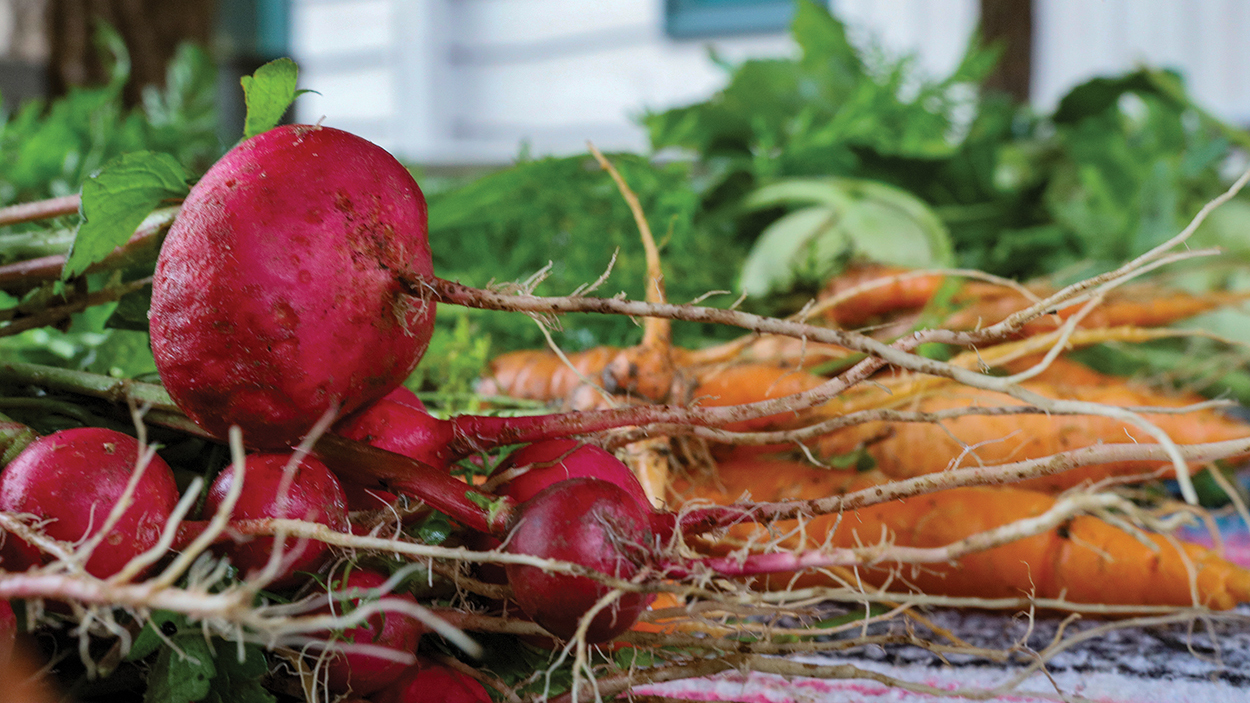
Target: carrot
point(913, 449)
point(645, 371)
point(541, 374)
point(642, 370)
point(1086, 561)
point(873, 290)
point(1141, 305)
point(736, 384)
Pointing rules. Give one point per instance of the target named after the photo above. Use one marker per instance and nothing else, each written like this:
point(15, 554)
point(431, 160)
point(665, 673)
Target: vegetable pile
point(279, 518)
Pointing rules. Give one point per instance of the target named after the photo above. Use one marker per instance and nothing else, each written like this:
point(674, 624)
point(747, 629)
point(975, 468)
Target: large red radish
point(543, 463)
point(278, 291)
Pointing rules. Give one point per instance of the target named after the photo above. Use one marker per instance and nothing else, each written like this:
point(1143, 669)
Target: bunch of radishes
point(291, 285)
point(290, 288)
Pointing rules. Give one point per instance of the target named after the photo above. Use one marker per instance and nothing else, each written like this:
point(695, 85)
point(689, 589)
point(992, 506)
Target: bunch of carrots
point(913, 427)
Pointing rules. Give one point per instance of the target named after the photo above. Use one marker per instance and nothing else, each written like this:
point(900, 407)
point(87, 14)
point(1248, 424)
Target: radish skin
point(362, 674)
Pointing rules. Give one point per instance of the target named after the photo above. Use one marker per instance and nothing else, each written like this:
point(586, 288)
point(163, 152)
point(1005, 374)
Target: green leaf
point(435, 529)
point(182, 677)
point(239, 681)
point(268, 93)
point(148, 641)
point(1098, 95)
point(799, 245)
point(851, 217)
point(131, 312)
point(115, 202)
point(194, 669)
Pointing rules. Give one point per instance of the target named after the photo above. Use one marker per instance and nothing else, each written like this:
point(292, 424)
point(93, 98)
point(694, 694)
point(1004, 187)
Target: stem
point(143, 245)
point(14, 437)
point(115, 390)
point(40, 210)
point(399, 474)
point(49, 316)
point(472, 433)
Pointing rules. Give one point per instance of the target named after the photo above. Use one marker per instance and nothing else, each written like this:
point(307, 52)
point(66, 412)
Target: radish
point(359, 673)
point(404, 396)
point(400, 423)
point(589, 522)
point(277, 294)
point(314, 495)
point(72, 479)
point(431, 682)
point(547, 462)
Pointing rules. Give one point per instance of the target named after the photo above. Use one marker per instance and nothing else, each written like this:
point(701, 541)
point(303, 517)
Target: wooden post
point(1010, 22)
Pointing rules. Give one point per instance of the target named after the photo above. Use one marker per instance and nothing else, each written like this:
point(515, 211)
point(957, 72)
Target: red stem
point(142, 245)
point(366, 465)
point(40, 210)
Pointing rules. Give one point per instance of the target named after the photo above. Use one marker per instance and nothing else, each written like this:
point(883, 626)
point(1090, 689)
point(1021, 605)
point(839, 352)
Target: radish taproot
point(278, 292)
point(310, 493)
point(362, 673)
point(592, 523)
point(73, 479)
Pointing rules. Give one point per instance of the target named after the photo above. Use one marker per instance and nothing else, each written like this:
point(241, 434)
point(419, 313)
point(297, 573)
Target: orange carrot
point(1141, 305)
point(890, 289)
point(900, 292)
point(541, 375)
point(736, 384)
point(913, 449)
point(1086, 561)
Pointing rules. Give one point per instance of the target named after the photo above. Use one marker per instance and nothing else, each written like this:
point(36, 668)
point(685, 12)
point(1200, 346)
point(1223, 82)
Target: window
point(701, 18)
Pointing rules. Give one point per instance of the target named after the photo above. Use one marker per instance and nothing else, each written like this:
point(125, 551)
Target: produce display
point(270, 514)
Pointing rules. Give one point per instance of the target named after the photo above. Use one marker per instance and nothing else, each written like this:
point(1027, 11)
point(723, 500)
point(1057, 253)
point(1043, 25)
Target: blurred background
point(773, 144)
point(453, 82)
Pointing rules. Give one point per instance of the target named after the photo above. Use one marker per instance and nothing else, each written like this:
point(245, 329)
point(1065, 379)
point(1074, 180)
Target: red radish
point(396, 424)
point(360, 499)
point(431, 682)
point(314, 495)
point(589, 522)
point(404, 396)
point(277, 293)
point(356, 672)
point(73, 478)
point(557, 460)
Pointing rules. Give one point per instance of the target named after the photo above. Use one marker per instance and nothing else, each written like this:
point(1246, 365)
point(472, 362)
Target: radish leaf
point(268, 93)
point(182, 677)
point(115, 201)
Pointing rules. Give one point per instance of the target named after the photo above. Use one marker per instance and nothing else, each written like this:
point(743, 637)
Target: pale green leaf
point(268, 93)
point(783, 248)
